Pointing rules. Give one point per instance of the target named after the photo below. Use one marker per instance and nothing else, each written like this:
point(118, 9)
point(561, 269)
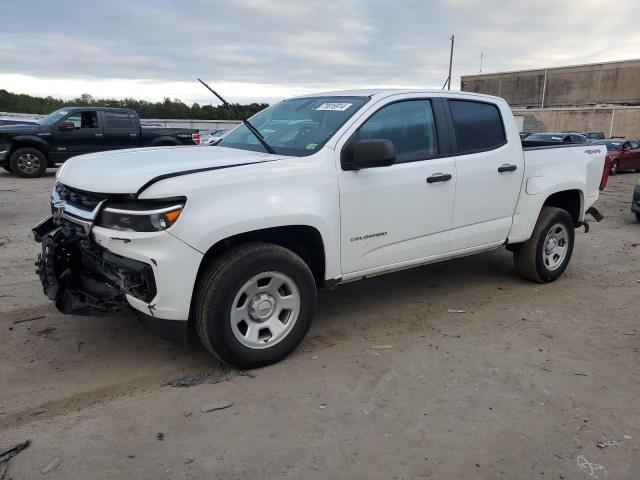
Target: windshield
point(297, 127)
point(611, 145)
point(53, 117)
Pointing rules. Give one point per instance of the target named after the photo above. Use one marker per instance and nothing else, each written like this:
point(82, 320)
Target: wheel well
point(569, 200)
point(35, 145)
point(305, 241)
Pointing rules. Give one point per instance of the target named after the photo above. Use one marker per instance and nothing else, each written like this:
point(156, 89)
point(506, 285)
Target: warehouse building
point(595, 97)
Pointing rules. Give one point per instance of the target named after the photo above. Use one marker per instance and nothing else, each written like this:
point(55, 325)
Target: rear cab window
point(118, 120)
point(478, 126)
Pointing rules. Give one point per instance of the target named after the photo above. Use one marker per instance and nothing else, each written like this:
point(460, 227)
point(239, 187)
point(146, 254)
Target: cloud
point(264, 49)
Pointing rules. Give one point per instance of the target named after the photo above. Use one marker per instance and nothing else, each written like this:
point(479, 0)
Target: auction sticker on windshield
point(336, 107)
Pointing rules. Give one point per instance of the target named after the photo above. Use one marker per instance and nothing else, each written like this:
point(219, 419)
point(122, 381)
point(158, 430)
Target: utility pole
point(481, 57)
point(450, 62)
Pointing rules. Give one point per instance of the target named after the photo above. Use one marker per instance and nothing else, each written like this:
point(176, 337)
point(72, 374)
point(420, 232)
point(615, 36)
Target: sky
point(265, 50)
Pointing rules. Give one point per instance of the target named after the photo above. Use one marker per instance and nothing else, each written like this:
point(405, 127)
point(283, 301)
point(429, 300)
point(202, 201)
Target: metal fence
point(202, 125)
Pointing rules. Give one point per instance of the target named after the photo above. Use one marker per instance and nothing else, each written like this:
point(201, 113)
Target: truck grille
point(78, 198)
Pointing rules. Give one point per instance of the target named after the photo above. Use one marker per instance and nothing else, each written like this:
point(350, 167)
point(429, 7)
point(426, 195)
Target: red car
point(622, 155)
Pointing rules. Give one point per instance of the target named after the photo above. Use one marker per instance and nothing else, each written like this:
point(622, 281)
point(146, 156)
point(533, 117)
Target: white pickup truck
point(233, 241)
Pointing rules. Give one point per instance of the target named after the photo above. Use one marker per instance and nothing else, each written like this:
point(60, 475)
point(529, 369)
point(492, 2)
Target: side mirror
point(370, 154)
point(66, 126)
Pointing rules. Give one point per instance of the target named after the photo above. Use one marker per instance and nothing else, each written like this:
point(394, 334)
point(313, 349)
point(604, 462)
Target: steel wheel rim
point(265, 310)
point(28, 163)
point(555, 246)
point(614, 168)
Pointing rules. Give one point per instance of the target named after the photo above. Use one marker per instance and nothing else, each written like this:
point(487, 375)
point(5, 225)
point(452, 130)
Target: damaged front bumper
point(87, 269)
point(85, 279)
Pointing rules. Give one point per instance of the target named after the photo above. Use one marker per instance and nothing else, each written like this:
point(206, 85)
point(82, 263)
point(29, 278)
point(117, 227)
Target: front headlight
point(140, 218)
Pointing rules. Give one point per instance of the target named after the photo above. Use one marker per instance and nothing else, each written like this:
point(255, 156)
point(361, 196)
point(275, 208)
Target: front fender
point(31, 140)
point(224, 203)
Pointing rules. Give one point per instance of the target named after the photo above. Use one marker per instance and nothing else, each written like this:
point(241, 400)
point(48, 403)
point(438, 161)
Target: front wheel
point(28, 162)
point(255, 304)
point(546, 254)
point(615, 168)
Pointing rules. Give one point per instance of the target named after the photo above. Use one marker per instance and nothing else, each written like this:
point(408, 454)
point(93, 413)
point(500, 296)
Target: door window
point(409, 125)
point(83, 120)
point(118, 120)
point(634, 145)
point(478, 126)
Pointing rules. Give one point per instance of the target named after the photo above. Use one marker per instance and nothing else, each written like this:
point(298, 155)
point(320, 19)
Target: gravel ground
point(389, 384)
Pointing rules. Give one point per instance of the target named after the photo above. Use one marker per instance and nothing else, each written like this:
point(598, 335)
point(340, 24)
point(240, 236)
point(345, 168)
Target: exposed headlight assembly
point(141, 218)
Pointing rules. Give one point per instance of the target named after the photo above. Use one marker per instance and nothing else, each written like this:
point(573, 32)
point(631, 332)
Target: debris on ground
point(314, 357)
point(53, 465)
point(29, 319)
point(188, 461)
point(453, 310)
point(604, 443)
point(210, 407)
point(382, 347)
point(8, 453)
point(160, 436)
point(210, 378)
point(580, 374)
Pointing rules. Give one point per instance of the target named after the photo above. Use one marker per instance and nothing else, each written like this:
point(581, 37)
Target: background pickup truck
point(27, 150)
point(231, 242)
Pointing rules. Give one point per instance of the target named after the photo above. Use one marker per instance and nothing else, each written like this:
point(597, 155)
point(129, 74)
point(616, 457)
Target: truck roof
point(93, 109)
point(387, 92)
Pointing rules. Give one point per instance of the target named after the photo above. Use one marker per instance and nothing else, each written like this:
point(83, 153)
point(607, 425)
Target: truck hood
point(20, 129)
point(127, 171)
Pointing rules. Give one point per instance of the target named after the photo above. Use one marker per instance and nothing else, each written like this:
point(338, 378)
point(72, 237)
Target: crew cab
point(231, 242)
point(28, 149)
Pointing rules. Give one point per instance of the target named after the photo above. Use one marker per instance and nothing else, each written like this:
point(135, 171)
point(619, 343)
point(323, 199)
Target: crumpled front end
point(83, 278)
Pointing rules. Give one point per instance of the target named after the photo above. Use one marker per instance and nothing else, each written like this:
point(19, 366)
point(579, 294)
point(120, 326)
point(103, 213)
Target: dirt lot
point(524, 384)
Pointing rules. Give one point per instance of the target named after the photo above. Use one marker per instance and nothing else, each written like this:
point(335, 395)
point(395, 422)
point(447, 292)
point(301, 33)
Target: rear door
point(393, 215)
point(490, 168)
point(120, 130)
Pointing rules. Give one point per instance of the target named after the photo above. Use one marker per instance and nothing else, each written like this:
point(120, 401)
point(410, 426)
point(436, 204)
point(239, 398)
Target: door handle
point(507, 168)
point(98, 135)
point(439, 177)
point(133, 135)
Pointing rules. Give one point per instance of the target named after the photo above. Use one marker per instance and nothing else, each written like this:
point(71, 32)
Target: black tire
point(638, 216)
point(615, 168)
point(28, 163)
point(223, 281)
point(7, 168)
point(529, 257)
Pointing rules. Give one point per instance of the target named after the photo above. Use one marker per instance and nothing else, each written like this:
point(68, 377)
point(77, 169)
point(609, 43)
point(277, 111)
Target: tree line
point(22, 103)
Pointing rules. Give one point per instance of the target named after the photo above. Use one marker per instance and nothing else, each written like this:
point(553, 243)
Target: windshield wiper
point(246, 122)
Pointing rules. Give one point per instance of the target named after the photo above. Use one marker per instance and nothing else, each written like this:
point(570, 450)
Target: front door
point(392, 215)
point(630, 156)
point(85, 137)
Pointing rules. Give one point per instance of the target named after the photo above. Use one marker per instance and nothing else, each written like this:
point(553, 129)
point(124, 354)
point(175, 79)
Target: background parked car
point(27, 150)
point(594, 135)
point(542, 139)
point(622, 155)
point(212, 137)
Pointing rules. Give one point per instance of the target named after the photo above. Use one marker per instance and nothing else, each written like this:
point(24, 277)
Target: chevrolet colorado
point(232, 242)
point(29, 148)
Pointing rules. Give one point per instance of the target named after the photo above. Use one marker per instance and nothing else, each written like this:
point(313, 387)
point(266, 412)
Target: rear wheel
point(28, 162)
point(546, 254)
point(7, 168)
point(255, 304)
point(638, 216)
